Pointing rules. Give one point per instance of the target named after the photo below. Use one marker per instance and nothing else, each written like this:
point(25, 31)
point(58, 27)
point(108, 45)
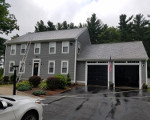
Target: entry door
point(36, 67)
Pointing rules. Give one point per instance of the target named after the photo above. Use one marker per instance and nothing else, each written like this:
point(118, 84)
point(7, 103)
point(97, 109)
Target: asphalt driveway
point(96, 103)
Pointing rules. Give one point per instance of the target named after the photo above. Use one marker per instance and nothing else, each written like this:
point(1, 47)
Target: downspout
point(146, 72)
point(75, 62)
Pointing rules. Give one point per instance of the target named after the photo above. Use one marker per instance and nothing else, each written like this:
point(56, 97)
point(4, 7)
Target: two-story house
point(70, 51)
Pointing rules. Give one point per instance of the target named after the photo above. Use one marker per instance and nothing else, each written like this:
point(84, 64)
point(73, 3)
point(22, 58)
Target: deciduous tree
point(8, 22)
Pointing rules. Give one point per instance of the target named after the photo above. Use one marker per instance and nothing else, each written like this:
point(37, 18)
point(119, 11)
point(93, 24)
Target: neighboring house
point(70, 51)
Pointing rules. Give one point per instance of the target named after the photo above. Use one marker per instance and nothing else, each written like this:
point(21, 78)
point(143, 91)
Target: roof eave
point(118, 59)
point(35, 41)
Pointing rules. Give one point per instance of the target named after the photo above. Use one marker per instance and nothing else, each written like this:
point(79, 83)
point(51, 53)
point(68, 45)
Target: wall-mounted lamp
point(71, 43)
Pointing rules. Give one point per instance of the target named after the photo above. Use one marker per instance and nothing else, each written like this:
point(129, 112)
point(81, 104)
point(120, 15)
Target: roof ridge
point(117, 43)
point(55, 30)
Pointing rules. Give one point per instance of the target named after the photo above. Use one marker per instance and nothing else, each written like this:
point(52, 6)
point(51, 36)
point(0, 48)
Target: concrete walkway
point(8, 90)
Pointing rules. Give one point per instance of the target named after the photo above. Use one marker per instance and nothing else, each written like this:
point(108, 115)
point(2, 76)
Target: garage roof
point(48, 36)
point(117, 51)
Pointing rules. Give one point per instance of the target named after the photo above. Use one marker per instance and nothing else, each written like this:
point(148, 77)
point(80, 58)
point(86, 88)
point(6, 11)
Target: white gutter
point(75, 61)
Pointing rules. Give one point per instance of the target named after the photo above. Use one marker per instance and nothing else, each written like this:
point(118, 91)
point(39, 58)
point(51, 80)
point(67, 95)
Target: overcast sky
point(28, 12)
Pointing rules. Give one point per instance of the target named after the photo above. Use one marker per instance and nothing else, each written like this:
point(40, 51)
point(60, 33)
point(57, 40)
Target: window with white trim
point(52, 47)
point(11, 64)
point(23, 49)
point(51, 67)
point(37, 48)
point(65, 47)
point(22, 67)
point(13, 50)
point(64, 67)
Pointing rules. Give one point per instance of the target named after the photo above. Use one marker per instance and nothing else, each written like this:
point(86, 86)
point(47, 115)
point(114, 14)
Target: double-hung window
point(37, 48)
point(65, 47)
point(13, 50)
point(22, 67)
point(64, 67)
point(52, 47)
point(51, 67)
point(23, 49)
point(11, 64)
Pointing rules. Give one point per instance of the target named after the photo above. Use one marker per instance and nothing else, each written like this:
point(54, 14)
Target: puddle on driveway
point(105, 92)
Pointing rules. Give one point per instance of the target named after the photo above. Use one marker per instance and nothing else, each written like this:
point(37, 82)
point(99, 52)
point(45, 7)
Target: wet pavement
point(98, 103)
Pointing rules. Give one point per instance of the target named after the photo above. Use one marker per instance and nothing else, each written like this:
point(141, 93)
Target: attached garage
point(97, 75)
point(127, 75)
point(128, 65)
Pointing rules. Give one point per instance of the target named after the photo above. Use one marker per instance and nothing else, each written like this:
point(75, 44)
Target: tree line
point(133, 28)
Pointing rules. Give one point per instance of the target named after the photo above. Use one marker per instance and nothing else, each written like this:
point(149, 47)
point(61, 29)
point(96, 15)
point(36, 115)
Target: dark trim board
point(97, 75)
point(127, 75)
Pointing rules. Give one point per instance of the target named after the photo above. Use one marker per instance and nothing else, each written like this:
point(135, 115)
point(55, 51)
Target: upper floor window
point(65, 47)
point(11, 64)
point(22, 67)
point(37, 48)
point(23, 49)
point(51, 67)
point(52, 47)
point(13, 50)
point(64, 67)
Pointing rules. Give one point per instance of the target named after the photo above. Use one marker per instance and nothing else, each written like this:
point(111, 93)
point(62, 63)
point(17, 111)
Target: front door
point(36, 67)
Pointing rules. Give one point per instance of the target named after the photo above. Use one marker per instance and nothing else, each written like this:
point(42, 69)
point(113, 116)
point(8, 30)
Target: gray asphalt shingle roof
point(117, 51)
point(49, 35)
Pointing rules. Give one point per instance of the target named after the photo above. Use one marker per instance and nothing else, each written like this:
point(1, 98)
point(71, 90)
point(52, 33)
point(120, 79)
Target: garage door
point(97, 75)
point(127, 75)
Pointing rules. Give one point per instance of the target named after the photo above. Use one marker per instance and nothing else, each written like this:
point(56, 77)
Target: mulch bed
point(50, 92)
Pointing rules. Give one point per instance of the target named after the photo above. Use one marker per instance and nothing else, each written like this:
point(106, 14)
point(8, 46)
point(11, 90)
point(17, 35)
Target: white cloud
point(28, 12)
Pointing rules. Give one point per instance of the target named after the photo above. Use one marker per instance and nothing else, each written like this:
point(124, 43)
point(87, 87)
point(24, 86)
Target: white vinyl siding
point(64, 67)
point(13, 50)
point(23, 49)
point(51, 67)
point(22, 67)
point(52, 47)
point(37, 48)
point(11, 64)
point(65, 47)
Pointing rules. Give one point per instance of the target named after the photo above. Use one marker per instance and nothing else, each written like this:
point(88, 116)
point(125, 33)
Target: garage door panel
point(127, 75)
point(97, 75)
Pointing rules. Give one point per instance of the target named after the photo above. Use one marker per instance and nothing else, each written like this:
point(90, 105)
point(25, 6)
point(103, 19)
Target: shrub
point(63, 81)
point(39, 92)
point(23, 83)
point(12, 78)
point(53, 83)
point(35, 80)
point(23, 86)
point(1, 72)
point(43, 85)
point(68, 80)
point(1, 80)
point(6, 79)
point(144, 86)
